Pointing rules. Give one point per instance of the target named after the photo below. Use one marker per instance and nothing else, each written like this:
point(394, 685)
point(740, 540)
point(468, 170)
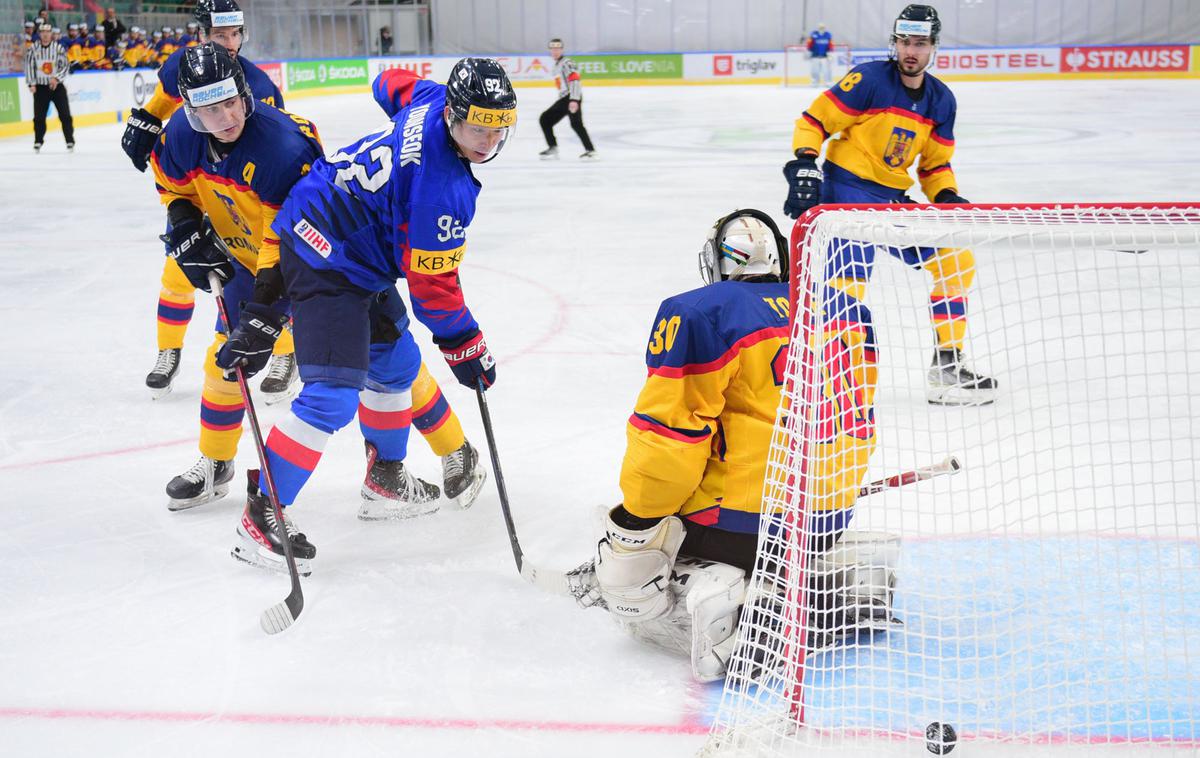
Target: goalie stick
point(576, 582)
point(281, 615)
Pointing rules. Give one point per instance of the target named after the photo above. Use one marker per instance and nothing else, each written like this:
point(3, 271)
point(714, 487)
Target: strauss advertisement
point(1130, 58)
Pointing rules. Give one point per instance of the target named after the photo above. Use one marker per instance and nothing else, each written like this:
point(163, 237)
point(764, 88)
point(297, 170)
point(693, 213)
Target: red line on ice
point(100, 454)
point(84, 714)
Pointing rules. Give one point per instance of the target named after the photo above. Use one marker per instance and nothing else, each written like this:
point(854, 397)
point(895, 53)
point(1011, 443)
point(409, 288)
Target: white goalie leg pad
point(703, 621)
point(633, 568)
point(861, 571)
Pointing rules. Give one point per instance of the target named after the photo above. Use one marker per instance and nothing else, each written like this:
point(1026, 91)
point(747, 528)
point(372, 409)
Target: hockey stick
point(550, 581)
point(949, 466)
point(281, 615)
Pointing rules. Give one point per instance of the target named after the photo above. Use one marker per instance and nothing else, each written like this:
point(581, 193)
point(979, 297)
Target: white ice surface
point(128, 630)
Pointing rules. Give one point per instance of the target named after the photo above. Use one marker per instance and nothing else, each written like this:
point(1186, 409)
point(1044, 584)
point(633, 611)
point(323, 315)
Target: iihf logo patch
point(315, 239)
point(898, 147)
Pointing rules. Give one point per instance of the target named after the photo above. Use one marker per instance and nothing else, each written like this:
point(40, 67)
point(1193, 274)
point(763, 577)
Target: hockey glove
point(195, 246)
point(141, 131)
point(804, 185)
point(950, 196)
point(469, 359)
point(250, 344)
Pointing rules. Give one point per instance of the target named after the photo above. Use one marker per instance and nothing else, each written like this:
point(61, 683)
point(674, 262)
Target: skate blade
point(466, 498)
point(250, 552)
point(275, 398)
point(218, 491)
point(549, 157)
point(959, 396)
point(158, 393)
point(374, 508)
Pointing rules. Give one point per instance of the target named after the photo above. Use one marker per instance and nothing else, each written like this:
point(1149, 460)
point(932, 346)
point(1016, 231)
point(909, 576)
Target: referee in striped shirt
point(45, 68)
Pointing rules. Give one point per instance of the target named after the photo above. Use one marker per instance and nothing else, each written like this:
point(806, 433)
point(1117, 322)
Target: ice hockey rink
point(128, 630)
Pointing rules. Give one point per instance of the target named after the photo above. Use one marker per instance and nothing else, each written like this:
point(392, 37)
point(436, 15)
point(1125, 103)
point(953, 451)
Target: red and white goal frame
point(1048, 595)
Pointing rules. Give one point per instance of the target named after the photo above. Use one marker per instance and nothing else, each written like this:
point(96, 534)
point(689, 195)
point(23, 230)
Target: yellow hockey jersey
point(241, 193)
point(883, 131)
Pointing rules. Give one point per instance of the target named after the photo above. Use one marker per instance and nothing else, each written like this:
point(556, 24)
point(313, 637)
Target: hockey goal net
point(1046, 597)
point(798, 69)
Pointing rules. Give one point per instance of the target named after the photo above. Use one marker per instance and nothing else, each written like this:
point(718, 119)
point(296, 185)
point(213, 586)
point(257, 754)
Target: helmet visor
point(484, 132)
point(218, 107)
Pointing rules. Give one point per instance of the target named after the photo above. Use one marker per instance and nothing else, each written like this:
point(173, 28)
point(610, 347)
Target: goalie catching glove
point(195, 246)
point(250, 344)
point(141, 132)
point(634, 559)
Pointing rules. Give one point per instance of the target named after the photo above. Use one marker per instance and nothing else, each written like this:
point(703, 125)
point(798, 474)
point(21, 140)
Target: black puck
point(940, 738)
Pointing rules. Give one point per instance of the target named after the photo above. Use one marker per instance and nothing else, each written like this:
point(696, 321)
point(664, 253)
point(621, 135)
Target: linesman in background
point(569, 103)
point(45, 69)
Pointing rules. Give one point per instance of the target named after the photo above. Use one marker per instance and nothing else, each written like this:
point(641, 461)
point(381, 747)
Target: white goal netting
point(1046, 595)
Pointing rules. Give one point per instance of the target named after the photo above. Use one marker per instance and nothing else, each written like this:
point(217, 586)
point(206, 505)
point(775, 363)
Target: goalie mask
point(744, 244)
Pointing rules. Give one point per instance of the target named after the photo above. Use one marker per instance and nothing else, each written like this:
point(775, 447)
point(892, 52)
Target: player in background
point(820, 46)
point(568, 104)
point(74, 47)
point(223, 23)
point(167, 45)
point(889, 114)
point(697, 449)
point(192, 36)
point(223, 172)
point(395, 204)
point(30, 34)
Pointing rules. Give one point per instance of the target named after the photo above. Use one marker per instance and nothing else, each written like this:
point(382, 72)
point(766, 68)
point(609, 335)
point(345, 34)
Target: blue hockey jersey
point(395, 204)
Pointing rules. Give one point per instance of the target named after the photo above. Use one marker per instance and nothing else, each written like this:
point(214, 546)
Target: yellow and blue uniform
point(177, 298)
point(699, 435)
point(241, 194)
point(699, 432)
point(883, 132)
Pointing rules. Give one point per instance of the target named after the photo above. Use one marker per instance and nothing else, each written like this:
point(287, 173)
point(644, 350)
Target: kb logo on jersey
point(898, 147)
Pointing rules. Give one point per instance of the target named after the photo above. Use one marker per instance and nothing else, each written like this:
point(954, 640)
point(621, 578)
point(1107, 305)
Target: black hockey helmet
point(917, 21)
point(208, 76)
point(745, 243)
point(479, 94)
point(218, 13)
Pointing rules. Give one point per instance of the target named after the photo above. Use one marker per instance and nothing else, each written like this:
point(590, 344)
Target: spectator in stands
point(113, 28)
point(385, 40)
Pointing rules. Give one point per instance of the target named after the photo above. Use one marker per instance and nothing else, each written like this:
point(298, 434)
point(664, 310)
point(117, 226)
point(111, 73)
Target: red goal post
point(1038, 594)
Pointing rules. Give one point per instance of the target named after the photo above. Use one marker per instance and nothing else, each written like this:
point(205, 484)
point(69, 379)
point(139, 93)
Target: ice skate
point(391, 492)
point(588, 155)
point(37, 147)
point(207, 480)
point(281, 382)
point(462, 476)
point(951, 382)
point(549, 154)
point(70, 147)
point(164, 371)
point(258, 540)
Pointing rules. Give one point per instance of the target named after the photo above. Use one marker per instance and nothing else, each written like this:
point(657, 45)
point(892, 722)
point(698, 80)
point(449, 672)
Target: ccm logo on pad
point(315, 239)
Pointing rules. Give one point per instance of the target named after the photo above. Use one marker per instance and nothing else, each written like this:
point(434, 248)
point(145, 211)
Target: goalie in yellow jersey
point(888, 114)
point(673, 560)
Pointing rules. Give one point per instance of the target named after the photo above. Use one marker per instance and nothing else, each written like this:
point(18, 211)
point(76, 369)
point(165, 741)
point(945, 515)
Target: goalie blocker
point(663, 586)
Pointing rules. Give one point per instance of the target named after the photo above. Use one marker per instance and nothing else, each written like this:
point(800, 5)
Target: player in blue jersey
point(820, 45)
point(394, 205)
point(223, 23)
point(698, 443)
point(223, 172)
point(890, 113)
